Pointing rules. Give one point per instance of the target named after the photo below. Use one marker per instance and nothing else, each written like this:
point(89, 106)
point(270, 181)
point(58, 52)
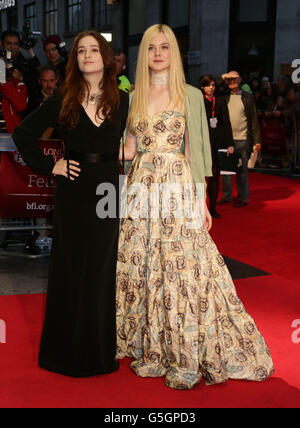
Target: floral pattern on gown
point(178, 314)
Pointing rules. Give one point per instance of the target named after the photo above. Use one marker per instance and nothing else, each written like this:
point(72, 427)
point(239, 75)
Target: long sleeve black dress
point(220, 137)
point(79, 335)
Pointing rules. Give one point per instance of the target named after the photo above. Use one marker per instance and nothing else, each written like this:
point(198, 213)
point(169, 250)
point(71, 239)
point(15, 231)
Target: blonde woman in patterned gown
point(178, 314)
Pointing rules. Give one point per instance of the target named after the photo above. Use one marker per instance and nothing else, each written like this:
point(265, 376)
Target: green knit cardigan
point(200, 148)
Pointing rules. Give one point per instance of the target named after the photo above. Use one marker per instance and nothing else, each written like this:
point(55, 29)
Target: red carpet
point(264, 235)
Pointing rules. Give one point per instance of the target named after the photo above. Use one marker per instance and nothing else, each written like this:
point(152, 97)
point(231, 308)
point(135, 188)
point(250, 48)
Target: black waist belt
point(93, 157)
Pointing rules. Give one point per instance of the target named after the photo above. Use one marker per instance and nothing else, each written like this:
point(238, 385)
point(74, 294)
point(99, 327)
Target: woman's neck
point(159, 79)
point(94, 81)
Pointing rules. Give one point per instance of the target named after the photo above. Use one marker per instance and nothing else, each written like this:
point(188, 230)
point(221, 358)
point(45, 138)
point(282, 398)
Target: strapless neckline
point(166, 112)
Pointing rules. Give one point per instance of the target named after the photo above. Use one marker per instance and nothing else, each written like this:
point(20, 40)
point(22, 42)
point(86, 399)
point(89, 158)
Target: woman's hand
point(61, 168)
point(257, 147)
point(207, 218)
point(230, 151)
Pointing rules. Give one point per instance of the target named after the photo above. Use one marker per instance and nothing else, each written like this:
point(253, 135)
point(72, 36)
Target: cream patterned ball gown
point(178, 314)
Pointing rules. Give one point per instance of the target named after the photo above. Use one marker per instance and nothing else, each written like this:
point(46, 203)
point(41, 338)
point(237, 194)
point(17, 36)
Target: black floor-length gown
point(79, 337)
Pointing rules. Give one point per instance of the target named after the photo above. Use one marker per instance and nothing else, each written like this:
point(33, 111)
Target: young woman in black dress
point(89, 112)
point(220, 134)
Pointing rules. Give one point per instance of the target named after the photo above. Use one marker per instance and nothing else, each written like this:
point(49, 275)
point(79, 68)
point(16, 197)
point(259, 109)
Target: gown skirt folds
point(79, 335)
point(178, 314)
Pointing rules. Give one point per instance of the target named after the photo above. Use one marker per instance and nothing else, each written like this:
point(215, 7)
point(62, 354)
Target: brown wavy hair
point(76, 88)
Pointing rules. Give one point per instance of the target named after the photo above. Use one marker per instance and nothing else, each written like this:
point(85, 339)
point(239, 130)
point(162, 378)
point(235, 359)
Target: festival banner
point(24, 194)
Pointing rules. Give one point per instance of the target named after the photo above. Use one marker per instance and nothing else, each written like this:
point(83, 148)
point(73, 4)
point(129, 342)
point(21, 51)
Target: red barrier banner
point(273, 134)
point(24, 194)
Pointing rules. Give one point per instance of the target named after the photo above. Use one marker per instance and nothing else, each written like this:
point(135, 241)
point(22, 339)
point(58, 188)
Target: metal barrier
point(13, 225)
point(280, 141)
point(274, 138)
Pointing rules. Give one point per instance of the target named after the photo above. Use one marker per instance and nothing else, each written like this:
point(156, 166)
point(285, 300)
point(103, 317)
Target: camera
point(61, 47)
point(29, 38)
point(7, 64)
point(6, 56)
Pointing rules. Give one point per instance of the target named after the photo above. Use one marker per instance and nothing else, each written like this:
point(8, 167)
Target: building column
point(209, 34)
point(20, 6)
point(153, 12)
point(118, 16)
point(287, 34)
point(87, 14)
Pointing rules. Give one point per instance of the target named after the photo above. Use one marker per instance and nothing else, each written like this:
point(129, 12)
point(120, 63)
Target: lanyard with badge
point(213, 120)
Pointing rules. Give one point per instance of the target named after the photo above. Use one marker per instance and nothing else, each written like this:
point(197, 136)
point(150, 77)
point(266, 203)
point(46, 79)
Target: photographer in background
point(28, 67)
point(56, 55)
point(48, 82)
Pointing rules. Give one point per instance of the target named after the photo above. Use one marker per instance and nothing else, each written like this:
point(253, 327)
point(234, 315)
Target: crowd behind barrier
point(278, 107)
point(277, 104)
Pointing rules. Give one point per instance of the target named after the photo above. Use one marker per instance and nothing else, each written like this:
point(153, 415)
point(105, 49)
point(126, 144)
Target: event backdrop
point(24, 194)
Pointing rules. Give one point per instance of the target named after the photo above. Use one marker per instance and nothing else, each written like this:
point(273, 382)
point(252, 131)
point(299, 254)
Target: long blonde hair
point(177, 82)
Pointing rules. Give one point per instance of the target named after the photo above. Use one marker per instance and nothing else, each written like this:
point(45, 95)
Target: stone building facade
point(260, 37)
